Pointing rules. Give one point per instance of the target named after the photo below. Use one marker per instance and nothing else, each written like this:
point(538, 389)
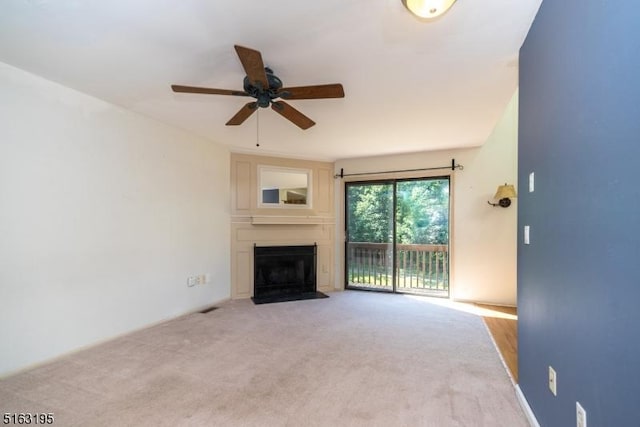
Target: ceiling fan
point(260, 83)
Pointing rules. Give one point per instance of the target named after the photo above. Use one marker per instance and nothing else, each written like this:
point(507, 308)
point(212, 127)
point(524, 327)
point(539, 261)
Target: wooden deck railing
point(418, 267)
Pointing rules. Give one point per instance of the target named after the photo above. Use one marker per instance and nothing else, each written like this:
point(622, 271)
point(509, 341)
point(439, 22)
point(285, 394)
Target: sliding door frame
point(393, 181)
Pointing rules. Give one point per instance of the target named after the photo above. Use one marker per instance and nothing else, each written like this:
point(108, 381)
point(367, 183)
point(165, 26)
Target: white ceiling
point(409, 85)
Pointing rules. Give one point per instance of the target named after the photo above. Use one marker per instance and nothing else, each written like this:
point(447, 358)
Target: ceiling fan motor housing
point(262, 95)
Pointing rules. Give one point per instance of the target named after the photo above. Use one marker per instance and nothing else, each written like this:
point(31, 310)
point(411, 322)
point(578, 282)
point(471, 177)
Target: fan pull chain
point(258, 128)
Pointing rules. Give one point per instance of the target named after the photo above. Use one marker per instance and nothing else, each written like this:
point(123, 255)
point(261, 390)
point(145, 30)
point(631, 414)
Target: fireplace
point(284, 273)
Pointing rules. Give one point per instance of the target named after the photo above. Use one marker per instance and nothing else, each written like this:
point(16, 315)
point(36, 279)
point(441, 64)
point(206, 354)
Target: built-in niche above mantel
point(264, 186)
point(284, 188)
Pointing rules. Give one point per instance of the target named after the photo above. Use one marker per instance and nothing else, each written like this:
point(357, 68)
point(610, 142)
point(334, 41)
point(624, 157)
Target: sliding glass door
point(369, 248)
point(397, 236)
point(422, 236)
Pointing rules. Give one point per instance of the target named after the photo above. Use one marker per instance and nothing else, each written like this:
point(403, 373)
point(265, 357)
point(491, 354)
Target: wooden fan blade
point(253, 65)
point(243, 114)
point(290, 113)
point(208, 91)
point(312, 92)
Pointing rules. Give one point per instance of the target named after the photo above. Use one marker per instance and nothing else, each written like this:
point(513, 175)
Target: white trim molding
point(292, 220)
point(533, 422)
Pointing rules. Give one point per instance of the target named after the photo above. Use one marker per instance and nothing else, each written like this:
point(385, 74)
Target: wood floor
point(504, 330)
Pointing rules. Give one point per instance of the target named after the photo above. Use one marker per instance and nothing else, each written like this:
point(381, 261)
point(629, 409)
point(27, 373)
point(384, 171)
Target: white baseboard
point(526, 408)
point(475, 301)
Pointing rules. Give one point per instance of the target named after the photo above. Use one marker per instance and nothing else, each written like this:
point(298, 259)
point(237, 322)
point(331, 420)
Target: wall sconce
point(504, 195)
point(428, 9)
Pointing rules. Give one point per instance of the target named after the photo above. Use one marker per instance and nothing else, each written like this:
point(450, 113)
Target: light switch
point(531, 182)
point(526, 234)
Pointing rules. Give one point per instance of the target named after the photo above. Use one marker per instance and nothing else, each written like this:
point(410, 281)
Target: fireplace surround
point(285, 273)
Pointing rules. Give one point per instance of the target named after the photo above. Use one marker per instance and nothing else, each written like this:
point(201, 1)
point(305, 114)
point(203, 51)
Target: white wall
point(483, 244)
point(103, 215)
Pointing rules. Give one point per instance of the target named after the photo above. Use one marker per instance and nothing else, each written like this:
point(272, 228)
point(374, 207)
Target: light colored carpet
point(354, 359)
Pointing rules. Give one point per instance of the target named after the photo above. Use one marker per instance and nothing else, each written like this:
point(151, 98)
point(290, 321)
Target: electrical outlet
point(553, 381)
point(581, 416)
point(202, 279)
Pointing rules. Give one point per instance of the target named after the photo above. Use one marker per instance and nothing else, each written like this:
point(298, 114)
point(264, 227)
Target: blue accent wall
point(579, 279)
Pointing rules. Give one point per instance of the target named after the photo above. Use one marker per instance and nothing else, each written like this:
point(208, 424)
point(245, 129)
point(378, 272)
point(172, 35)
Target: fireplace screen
point(284, 273)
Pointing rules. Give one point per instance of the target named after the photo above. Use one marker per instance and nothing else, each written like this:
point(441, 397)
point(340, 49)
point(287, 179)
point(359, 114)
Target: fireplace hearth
point(284, 273)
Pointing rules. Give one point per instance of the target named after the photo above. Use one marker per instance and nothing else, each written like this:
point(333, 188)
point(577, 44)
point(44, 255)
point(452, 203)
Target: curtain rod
point(453, 166)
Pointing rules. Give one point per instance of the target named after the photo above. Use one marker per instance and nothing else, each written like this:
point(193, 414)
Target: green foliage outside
point(422, 212)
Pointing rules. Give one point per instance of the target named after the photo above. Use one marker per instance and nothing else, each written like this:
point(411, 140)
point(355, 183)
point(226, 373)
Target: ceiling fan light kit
point(263, 85)
point(428, 9)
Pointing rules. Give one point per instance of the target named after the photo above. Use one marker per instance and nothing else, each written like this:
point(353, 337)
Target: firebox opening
point(285, 273)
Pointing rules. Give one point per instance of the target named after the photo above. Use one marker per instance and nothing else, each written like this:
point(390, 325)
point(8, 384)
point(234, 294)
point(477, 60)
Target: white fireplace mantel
point(291, 220)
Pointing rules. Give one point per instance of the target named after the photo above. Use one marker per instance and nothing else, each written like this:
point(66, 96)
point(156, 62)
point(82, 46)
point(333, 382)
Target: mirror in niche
point(284, 187)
